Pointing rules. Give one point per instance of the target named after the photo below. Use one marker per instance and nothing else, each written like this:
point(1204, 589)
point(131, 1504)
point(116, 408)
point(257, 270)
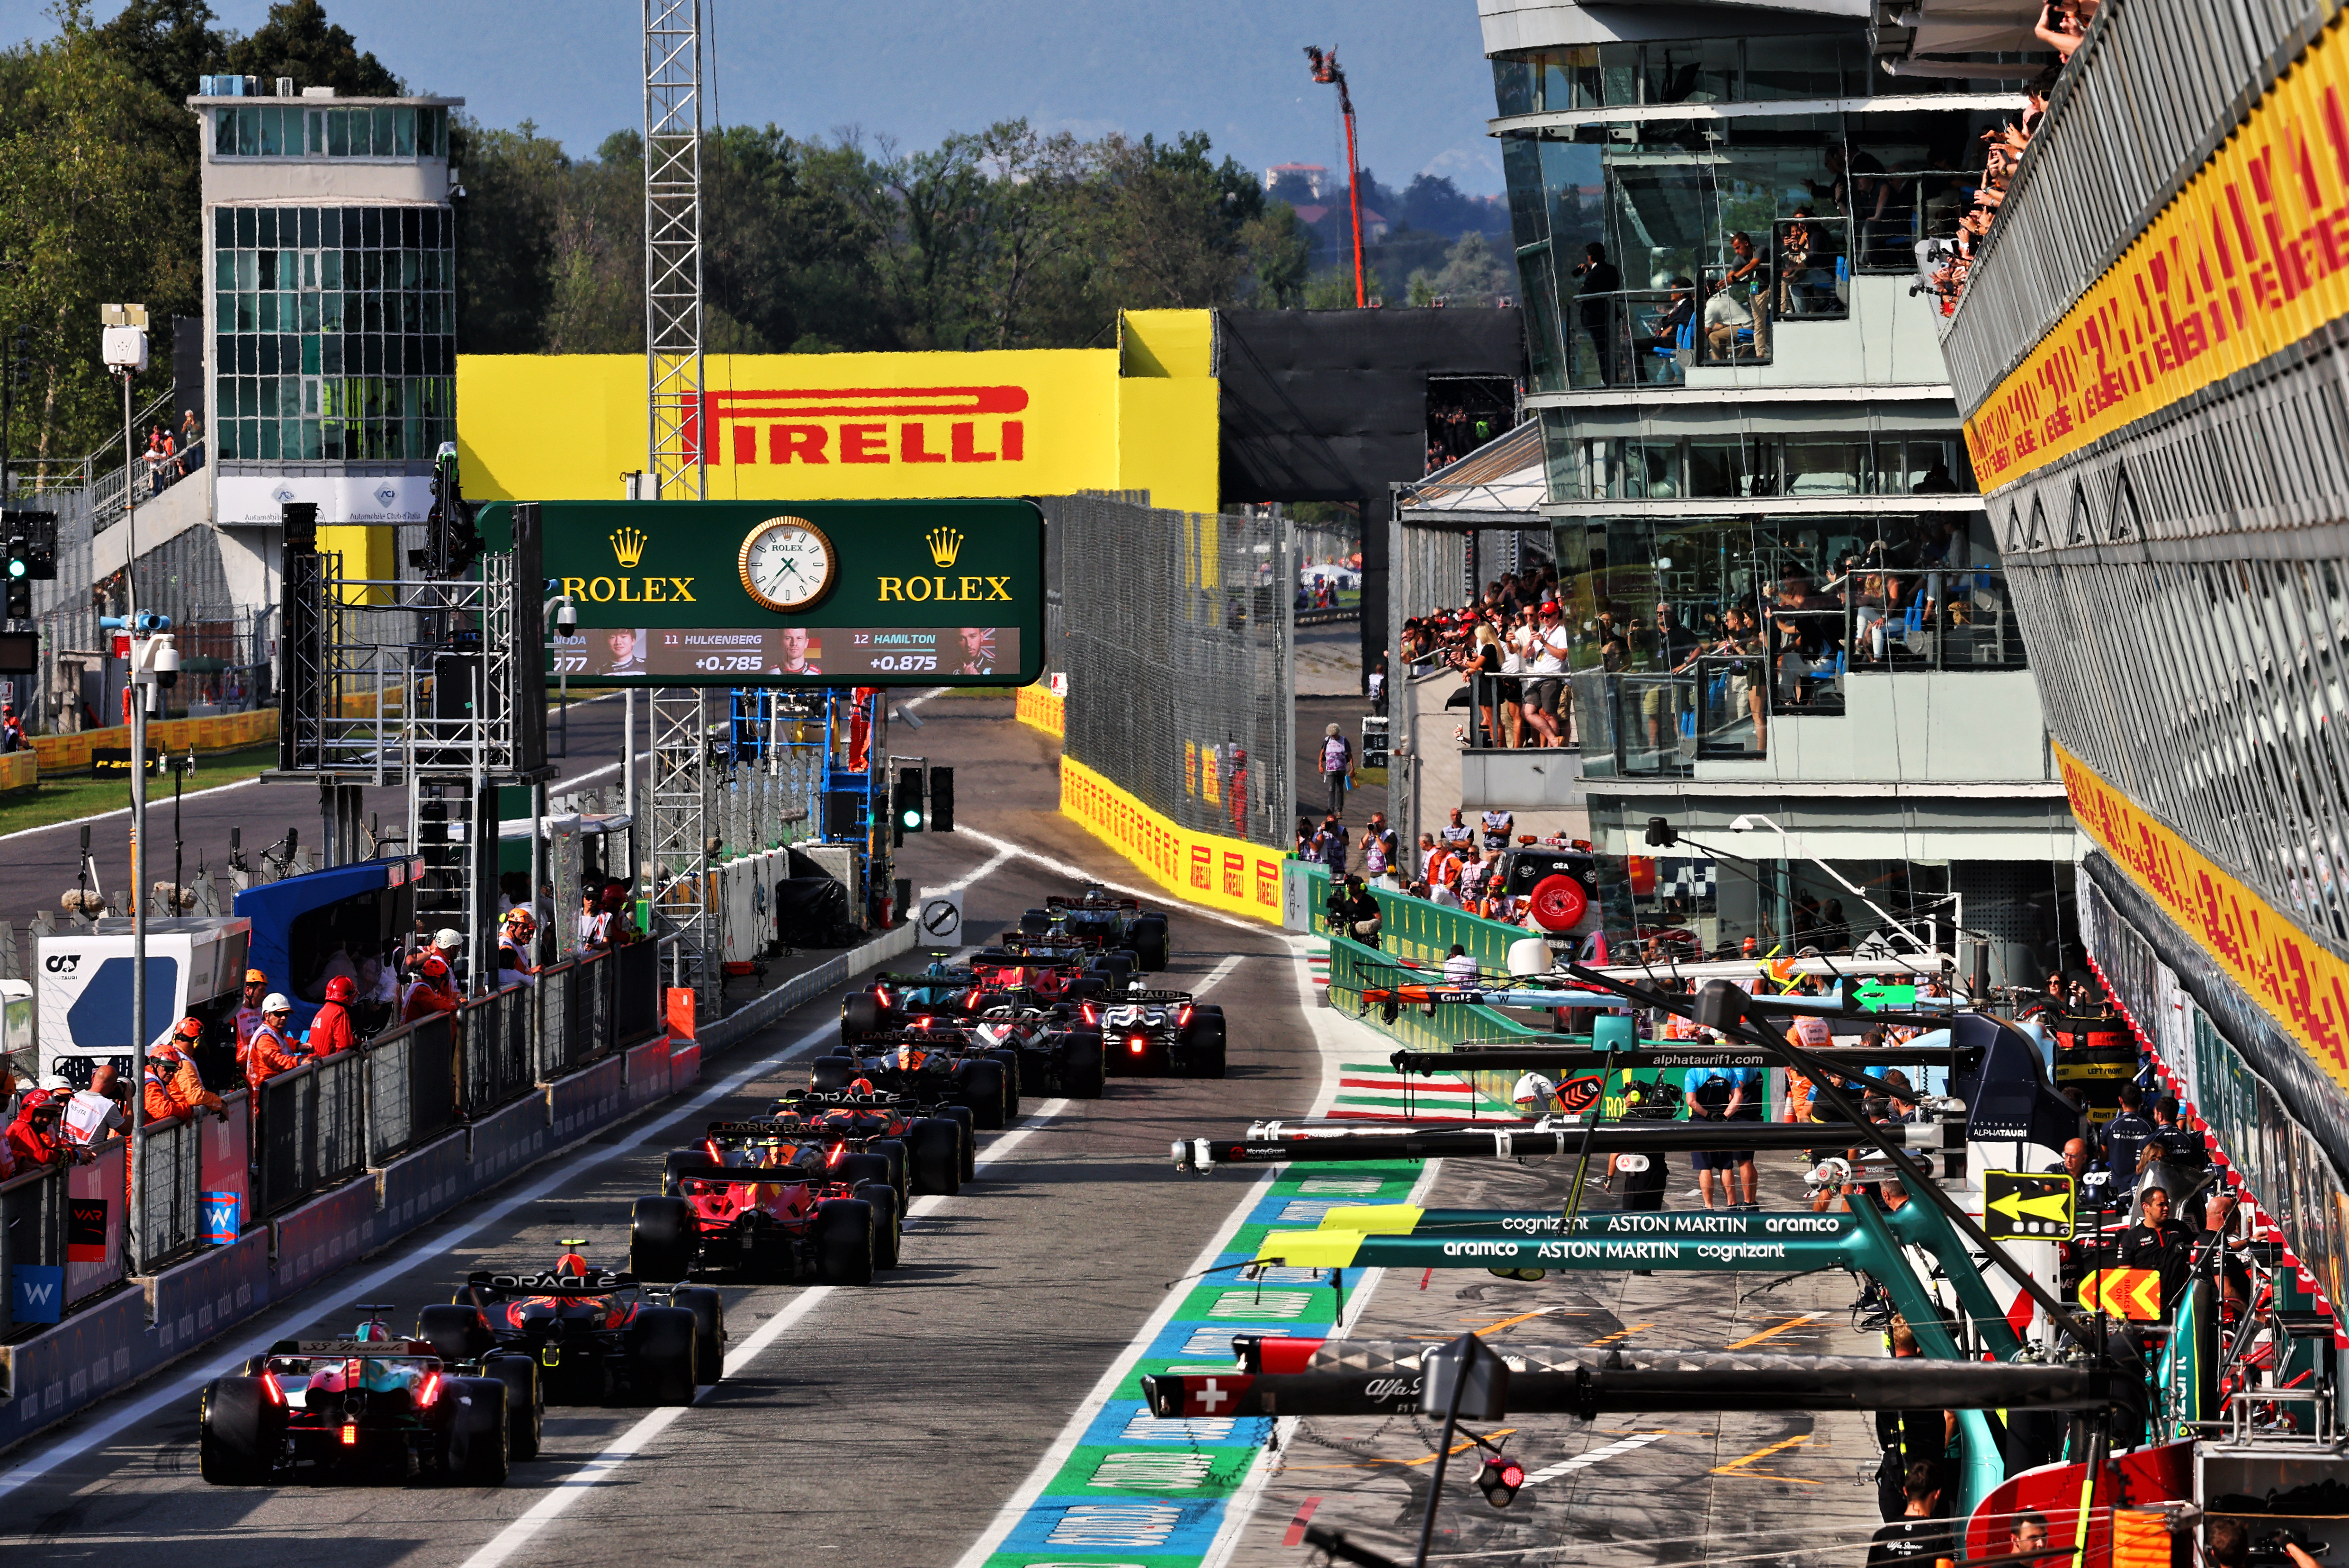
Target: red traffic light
point(1499, 1482)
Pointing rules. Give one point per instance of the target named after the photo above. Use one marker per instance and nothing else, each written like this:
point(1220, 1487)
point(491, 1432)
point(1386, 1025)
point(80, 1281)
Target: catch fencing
point(1177, 632)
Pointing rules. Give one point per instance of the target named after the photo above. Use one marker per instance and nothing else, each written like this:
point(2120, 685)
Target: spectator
point(1336, 769)
point(1305, 850)
point(173, 1087)
point(1598, 300)
point(331, 1032)
point(1459, 969)
point(1456, 835)
point(11, 729)
point(1673, 324)
point(432, 984)
point(1724, 318)
point(1546, 654)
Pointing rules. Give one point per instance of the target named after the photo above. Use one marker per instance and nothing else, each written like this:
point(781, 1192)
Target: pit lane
point(892, 1422)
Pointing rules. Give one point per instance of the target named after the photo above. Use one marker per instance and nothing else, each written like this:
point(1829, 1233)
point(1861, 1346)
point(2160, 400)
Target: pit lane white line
point(1015, 1507)
point(1584, 1461)
point(575, 1485)
point(566, 1171)
point(959, 883)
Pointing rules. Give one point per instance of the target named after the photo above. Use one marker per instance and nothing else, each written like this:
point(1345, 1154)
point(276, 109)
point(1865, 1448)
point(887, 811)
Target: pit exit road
point(890, 1422)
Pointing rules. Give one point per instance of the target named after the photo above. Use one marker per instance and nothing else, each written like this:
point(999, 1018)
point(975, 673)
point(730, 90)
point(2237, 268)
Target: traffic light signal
point(908, 800)
point(1499, 1480)
point(19, 606)
point(942, 800)
point(40, 545)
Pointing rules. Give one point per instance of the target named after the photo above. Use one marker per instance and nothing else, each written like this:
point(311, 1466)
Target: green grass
point(63, 797)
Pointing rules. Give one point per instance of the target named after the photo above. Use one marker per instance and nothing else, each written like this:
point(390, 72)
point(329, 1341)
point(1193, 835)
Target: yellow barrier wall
point(1037, 705)
point(2296, 978)
point(20, 770)
point(1226, 874)
point(2247, 260)
point(220, 733)
point(811, 427)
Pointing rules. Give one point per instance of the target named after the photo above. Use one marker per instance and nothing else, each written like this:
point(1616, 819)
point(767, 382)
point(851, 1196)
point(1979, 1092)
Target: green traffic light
point(16, 568)
point(911, 816)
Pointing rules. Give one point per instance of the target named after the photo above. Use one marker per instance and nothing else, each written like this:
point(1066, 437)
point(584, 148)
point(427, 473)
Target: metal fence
point(171, 1167)
point(1178, 639)
point(313, 1129)
point(2151, 95)
point(495, 1046)
point(411, 1086)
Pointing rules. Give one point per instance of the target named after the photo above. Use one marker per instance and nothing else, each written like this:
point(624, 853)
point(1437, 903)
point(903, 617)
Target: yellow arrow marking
point(1622, 1333)
point(2056, 1206)
point(1310, 1249)
point(1737, 1466)
point(1769, 1332)
point(1372, 1218)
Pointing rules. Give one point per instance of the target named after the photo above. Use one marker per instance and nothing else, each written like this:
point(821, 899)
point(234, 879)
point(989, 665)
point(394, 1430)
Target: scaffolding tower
point(673, 246)
point(681, 788)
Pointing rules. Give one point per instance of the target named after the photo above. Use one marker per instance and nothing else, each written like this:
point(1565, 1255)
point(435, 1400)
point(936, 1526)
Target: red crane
point(1327, 71)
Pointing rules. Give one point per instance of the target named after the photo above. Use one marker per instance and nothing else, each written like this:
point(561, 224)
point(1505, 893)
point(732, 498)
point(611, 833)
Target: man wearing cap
point(248, 1012)
point(272, 1051)
point(434, 989)
point(514, 936)
point(32, 1138)
point(330, 1029)
point(173, 1087)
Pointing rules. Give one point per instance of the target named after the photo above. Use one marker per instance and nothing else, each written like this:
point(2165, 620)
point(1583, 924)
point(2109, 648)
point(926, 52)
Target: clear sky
point(915, 69)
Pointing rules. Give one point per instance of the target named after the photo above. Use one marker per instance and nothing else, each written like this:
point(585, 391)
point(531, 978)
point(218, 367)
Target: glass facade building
point(330, 308)
point(1786, 597)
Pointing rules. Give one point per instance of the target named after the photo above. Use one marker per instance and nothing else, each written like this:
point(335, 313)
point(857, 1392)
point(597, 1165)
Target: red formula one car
point(765, 1204)
point(597, 1336)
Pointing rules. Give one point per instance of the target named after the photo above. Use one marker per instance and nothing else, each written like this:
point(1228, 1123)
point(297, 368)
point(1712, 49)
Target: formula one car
point(948, 994)
point(930, 1144)
point(1158, 1032)
point(761, 1203)
point(371, 1407)
point(599, 1338)
point(1100, 922)
point(942, 1068)
point(1055, 1049)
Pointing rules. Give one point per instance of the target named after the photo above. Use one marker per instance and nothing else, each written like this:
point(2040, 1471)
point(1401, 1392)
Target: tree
point(1169, 223)
point(297, 41)
point(1472, 275)
point(506, 228)
point(1280, 253)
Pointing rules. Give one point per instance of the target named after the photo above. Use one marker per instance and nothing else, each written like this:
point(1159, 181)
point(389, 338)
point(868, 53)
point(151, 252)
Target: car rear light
point(270, 1385)
point(431, 1390)
point(350, 1437)
point(832, 1156)
point(1183, 1016)
point(1092, 1013)
point(881, 996)
point(1138, 1043)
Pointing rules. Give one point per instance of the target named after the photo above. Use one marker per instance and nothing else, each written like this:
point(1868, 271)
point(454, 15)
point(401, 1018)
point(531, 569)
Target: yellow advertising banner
point(2250, 258)
point(864, 427)
point(2298, 980)
point(1227, 874)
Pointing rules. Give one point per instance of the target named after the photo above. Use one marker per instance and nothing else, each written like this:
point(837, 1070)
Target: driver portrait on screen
point(977, 651)
point(800, 653)
point(624, 652)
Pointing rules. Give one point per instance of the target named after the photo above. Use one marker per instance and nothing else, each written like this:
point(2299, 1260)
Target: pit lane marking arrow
point(2014, 1206)
point(2132, 1293)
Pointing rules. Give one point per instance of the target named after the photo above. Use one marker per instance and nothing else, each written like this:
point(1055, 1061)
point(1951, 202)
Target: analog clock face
point(787, 564)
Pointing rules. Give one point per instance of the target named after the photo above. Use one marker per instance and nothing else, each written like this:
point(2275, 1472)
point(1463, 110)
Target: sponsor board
point(1226, 874)
point(252, 500)
point(2250, 258)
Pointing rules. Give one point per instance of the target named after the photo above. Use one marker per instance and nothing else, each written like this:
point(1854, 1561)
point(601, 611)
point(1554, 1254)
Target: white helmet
point(276, 1002)
point(448, 938)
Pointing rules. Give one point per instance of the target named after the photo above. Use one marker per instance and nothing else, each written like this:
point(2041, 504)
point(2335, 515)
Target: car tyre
point(966, 1149)
point(1150, 943)
point(844, 1241)
point(488, 1431)
point(829, 1074)
point(708, 1310)
point(979, 1081)
point(662, 1239)
point(661, 1355)
point(237, 1432)
point(525, 1410)
point(934, 1156)
point(859, 1015)
point(861, 1165)
point(888, 1221)
point(1081, 1069)
point(892, 1150)
point(1035, 922)
point(1010, 1058)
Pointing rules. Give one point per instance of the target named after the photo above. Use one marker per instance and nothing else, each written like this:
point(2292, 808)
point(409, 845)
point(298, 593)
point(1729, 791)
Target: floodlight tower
point(1327, 71)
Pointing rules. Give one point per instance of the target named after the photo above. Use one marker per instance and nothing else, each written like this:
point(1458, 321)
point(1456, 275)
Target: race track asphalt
point(888, 1424)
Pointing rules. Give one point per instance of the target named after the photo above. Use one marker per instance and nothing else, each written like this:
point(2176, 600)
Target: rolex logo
point(629, 546)
point(945, 544)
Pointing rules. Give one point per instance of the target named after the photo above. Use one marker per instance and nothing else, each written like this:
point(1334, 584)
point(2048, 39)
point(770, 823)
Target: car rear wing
point(1119, 998)
point(595, 1283)
point(379, 1349)
point(718, 1175)
point(939, 1038)
point(1062, 901)
point(952, 980)
point(844, 1100)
